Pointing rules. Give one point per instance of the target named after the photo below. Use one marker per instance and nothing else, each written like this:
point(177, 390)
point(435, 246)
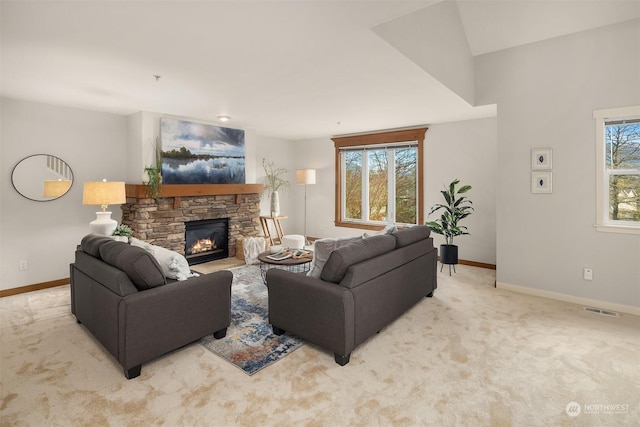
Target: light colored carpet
point(471, 356)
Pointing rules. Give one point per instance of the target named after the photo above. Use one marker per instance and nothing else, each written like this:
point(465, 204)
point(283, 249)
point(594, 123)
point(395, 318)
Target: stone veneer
point(160, 222)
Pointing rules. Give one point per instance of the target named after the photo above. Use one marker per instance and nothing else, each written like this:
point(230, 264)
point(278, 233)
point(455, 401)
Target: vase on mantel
point(275, 204)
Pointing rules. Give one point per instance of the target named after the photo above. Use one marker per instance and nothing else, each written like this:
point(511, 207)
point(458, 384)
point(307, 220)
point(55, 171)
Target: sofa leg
point(133, 372)
point(220, 334)
point(342, 360)
point(277, 330)
point(430, 294)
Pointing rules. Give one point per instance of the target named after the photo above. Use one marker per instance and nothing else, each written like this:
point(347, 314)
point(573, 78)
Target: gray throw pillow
point(322, 248)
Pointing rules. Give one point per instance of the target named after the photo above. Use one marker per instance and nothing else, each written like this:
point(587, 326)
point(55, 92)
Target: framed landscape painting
point(196, 153)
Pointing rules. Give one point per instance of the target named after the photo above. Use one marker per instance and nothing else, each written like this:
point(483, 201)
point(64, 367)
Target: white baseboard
point(629, 309)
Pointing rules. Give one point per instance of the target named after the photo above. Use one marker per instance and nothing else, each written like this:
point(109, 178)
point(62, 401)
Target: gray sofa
point(364, 286)
point(120, 294)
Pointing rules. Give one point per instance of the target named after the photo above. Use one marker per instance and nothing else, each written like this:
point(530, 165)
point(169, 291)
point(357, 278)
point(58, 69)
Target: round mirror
point(42, 177)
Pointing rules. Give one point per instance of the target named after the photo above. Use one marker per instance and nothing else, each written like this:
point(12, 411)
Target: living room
point(531, 94)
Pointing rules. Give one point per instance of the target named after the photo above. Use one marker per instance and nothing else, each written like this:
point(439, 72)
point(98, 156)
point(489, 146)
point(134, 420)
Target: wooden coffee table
point(295, 265)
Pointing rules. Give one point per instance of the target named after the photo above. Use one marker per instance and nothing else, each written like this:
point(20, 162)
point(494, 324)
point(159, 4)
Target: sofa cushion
point(140, 266)
point(411, 235)
point(322, 248)
point(173, 265)
point(91, 243)
point(342, 258)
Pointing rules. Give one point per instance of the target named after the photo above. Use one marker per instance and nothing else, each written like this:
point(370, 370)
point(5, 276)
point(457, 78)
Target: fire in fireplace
point(206, 240)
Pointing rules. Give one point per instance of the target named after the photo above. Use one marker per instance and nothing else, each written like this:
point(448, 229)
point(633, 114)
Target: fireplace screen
point(206, 240)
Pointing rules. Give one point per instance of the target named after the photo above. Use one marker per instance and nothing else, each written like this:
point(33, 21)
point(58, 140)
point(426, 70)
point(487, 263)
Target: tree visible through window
point(618, 169)
point(379, 179)
point(623, 169)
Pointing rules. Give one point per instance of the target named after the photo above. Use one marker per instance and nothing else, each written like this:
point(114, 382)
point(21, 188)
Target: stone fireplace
point(206, 240)
point(161, 221)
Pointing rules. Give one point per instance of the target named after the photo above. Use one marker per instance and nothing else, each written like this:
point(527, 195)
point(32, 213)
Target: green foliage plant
point(154, 173)
point(455, 208)
point(123, 230)
point(274, 180)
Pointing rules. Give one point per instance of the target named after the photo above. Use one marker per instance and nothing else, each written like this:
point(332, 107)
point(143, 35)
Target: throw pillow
point(173, 264)
point(322, 248)
point(387, 230)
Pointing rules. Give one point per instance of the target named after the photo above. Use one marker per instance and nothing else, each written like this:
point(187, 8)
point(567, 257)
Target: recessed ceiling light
point(224, 118)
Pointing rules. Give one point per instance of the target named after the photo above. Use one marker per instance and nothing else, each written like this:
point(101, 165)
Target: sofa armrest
point(158, 320)
point(317, 311)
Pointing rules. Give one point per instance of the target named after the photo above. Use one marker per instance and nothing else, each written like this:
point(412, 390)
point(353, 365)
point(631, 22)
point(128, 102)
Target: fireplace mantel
point(139, 191)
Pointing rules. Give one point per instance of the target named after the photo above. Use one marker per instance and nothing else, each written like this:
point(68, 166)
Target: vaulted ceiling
point(287, 69)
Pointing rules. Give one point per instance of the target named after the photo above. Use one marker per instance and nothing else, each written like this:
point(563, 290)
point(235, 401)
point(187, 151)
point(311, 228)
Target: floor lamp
point(305, 177)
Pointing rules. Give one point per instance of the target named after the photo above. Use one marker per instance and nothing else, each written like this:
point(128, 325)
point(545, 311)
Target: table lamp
point(103, 193)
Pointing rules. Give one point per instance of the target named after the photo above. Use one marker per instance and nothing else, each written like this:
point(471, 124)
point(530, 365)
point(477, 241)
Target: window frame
point(603, 223)
point(372, 139)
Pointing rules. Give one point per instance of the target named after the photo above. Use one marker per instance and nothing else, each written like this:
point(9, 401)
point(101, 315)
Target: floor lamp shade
point(103, 193)
point(306, 176)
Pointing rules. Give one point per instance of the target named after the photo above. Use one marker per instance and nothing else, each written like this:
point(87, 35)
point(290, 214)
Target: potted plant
point(122, 233)
point(153, 179)
point(455, 209)
point(274, 181)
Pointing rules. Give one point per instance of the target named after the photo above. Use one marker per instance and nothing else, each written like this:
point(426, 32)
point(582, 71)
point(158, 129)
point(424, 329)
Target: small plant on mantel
point(154, 174)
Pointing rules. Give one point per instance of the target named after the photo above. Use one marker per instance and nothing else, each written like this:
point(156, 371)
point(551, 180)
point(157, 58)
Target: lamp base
point(103, 224)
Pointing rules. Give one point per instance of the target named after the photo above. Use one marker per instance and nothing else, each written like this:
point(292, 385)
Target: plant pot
point(448, 254)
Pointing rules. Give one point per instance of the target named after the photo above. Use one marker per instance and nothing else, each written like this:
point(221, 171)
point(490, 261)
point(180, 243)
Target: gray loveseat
point(120, 294)
point(364, 285)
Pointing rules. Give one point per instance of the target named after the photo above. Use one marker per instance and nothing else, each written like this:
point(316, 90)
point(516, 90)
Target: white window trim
point(602, 203)
point(391, 185)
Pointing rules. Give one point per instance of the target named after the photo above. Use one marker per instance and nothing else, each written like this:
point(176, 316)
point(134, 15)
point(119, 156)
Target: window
point(379, 179)
point(618, 174)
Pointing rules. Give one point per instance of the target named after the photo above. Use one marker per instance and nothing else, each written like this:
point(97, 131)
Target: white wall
point(96, 145)
point(45, 234)
point(546, 93)
point(281, 153)
point(465, 150)
point(434, 38)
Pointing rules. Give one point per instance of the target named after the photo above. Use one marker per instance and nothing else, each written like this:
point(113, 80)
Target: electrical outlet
point(23, 265)
point(587, 273)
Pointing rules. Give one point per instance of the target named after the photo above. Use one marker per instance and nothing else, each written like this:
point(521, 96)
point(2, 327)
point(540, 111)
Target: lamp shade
point(56, 188)
point(306, 176)
point(104, 193)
